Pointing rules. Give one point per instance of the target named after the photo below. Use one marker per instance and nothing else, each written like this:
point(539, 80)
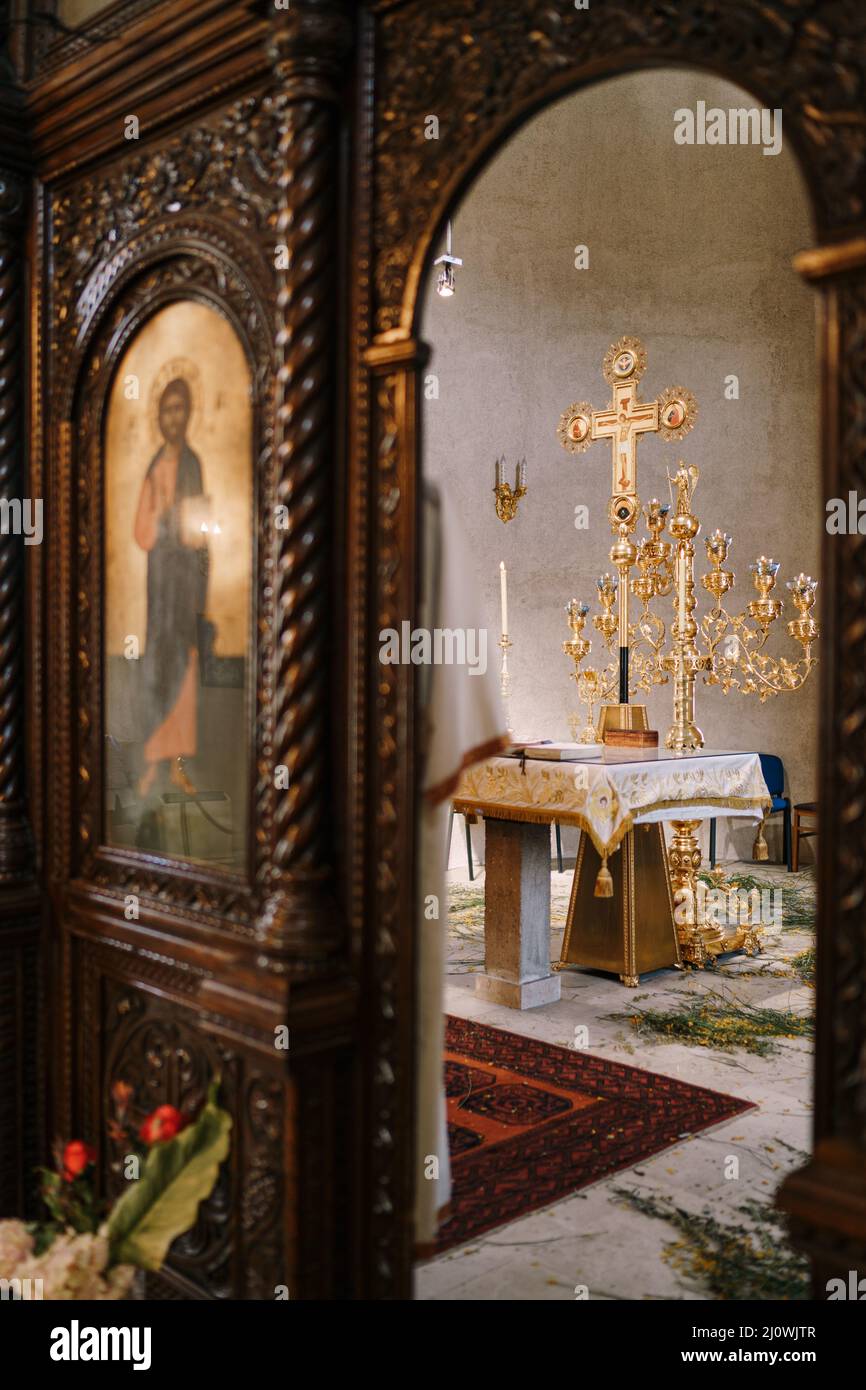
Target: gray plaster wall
point(689, 249)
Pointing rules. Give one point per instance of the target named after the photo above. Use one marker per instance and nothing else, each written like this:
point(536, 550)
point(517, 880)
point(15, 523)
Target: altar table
point(605, 798)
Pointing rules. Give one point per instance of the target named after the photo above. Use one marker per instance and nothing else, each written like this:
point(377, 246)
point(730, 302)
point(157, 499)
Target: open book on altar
point(558, 752)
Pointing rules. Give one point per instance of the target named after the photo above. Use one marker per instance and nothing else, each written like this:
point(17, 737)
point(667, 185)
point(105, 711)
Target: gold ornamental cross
point(626, 418)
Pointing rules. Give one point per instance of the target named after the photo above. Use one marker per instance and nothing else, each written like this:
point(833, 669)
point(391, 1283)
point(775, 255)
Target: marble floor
point(596, 1243)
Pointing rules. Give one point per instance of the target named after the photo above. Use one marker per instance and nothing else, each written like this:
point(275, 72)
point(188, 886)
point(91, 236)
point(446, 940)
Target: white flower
point(73, 1268)
point(16, 1245)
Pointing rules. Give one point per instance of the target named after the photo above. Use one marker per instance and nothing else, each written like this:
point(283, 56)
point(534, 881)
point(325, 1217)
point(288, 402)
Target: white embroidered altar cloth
point(608, 795)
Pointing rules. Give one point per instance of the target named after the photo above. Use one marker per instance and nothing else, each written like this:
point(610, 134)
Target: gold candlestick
point(592, 685)
point(684, 735)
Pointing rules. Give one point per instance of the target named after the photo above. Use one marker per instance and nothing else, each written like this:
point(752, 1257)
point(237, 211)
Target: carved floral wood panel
point(841, 1077)
point(161, 1050)
point(482, 67)
point(199, 216)
point(137, 226)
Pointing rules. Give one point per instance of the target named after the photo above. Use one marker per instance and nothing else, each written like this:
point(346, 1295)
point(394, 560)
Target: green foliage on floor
point(721, 1024)
point(798, 893)
point(804, 965)
point(462, 899)
point(752, 1259)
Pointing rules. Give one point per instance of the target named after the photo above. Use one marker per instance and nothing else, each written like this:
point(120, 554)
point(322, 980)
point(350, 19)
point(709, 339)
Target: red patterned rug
point(530, 1123)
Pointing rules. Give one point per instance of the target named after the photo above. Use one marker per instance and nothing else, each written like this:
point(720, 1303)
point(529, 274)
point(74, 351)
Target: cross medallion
point(672, 415)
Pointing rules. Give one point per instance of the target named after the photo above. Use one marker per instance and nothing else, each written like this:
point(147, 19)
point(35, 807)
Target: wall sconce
point(445, 283)
point(507, 497)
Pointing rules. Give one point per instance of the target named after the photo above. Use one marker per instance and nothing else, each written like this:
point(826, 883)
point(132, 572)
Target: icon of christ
point(169, 525)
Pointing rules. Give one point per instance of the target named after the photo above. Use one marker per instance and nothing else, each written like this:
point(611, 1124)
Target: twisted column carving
point(308, 49)
point(15, 846)
point(841, 1109)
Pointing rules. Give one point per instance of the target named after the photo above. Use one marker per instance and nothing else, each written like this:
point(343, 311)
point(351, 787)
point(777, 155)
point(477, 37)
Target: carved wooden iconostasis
point(303, 128)
point(176, 147)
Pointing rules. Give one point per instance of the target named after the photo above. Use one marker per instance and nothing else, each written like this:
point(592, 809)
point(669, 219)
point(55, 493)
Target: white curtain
point(462, 722)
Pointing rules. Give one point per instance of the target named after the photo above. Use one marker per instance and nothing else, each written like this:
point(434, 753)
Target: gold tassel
point(603, 882)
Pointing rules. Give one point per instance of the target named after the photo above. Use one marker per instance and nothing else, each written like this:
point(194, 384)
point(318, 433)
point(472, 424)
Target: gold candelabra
point(646, 635)
point(507, 497)
point(593, 685)
point(736, 659)
point(727, 649)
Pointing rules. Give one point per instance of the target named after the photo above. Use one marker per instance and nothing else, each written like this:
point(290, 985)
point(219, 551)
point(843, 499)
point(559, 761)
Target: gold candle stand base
point(685, 737)
point(701, 941)
point(621, 717)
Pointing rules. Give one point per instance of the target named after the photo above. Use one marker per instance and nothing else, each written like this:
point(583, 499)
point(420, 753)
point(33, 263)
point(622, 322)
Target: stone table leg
point(517, 916)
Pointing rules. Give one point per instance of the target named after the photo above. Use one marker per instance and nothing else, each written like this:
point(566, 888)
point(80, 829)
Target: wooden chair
point(774, 776)
point(809, 809)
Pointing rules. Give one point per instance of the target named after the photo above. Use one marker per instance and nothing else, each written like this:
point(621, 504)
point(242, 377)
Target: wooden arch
point(483, 67)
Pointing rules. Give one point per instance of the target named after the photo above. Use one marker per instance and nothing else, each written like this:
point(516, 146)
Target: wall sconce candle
point(507, 497)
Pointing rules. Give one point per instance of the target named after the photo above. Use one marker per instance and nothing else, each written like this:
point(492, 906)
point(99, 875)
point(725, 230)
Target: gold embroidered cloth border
point(607, 799)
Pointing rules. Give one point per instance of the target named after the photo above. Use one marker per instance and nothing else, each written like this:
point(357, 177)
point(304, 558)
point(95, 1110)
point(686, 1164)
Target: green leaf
point(177, 1175)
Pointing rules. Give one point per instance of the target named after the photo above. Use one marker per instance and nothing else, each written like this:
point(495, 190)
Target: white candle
point(503, 589)
point(522, 474)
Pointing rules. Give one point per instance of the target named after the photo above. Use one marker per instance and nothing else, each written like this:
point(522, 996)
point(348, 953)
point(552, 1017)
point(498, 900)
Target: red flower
point(163, 1124)
point(76, 1157)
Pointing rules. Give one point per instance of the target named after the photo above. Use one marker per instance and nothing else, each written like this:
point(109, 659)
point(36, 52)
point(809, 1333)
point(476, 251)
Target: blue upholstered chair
point(774, 776)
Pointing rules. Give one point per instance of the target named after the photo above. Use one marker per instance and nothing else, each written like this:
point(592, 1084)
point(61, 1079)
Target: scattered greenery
point(462, 900)
point(804, 965)
point(720, 1024)
point(746, 1260)
point(798, 894)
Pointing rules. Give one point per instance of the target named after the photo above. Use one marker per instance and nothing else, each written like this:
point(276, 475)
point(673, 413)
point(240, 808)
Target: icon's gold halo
point(574, 430)
point(175, 367)
point(615, 370)
point(678, 411)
